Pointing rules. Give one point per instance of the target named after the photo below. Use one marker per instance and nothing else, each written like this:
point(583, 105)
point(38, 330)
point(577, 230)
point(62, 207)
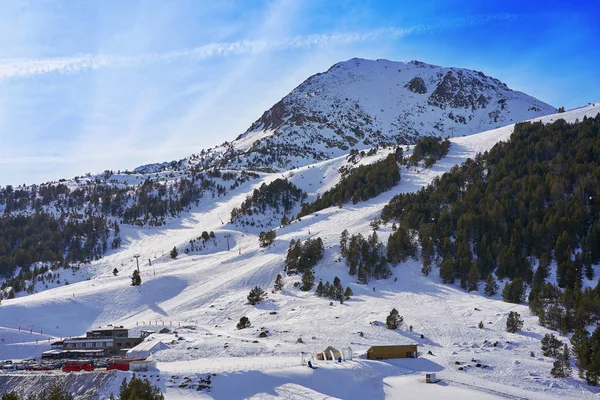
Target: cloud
point(15, 68)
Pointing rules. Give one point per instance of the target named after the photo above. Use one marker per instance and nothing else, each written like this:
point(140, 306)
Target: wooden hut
point(398, 351)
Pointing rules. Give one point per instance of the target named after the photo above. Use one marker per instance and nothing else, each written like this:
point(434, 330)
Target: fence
point(176, 324)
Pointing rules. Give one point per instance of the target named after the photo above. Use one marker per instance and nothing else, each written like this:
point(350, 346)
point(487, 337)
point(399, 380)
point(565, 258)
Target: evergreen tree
point(115, 271)
point(592, 375)
point(480, 325)
point(320, 289)
point(562, 366)
point(136, 279)
point(394, 320)
point(266, 239)
point(427, 247)
point(491, 287)
point(139, 389)
point(447, 270)
point(514, 323)
point(514, 292)
point(243, 323)
point(362, 274)
point(581, 349)
point(256, 295)
point(174, 253)
point(278, 283)
point(551, 345)
point(473, 280)
point(308, 280)
point(348, 293)
point(344, 243)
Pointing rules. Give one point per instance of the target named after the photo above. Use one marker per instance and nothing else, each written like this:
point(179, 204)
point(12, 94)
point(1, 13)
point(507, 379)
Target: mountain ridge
point(359, 103)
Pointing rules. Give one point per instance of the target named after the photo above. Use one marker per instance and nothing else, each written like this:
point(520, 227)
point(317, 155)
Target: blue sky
point(112, 84)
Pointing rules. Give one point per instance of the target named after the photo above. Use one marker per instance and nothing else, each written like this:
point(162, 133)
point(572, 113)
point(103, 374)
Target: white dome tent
point(347, 353)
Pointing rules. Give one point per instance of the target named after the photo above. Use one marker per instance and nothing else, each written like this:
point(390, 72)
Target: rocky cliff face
point(359, 104)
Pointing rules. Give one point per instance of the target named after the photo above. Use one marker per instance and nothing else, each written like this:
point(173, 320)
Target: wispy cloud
point(14, 68)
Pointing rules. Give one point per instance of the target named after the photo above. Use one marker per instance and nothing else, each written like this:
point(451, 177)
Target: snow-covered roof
point(150, 345)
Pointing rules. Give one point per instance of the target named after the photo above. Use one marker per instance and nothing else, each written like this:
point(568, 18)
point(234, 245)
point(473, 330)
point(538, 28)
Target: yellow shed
point(397, 351)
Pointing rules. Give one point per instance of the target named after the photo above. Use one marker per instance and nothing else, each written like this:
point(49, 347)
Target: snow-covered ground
point(202, 295)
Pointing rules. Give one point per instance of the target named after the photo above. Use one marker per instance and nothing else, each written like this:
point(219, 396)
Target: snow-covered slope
point(205, 290)
point(361, 103)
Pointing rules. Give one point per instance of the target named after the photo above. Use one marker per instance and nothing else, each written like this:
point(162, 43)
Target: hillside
point(354, 106)
point(206, 291)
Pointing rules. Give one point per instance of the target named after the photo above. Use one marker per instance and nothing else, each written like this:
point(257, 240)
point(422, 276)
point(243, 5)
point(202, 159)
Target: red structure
point(78, 366)
point(122, 364)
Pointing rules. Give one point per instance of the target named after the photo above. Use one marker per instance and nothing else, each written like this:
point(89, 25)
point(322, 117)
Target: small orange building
point(398, 351)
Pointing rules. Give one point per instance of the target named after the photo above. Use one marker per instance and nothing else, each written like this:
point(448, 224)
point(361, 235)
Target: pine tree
point(308, 280)
point(394, 320)
point(447, 270)
point(278, 283)
point(473, 279)
point(514, 323)
point(581, 349)
point(480, 325)
point(137, 389)
point(514, 292)
point(174, 252)
point(266, 239)
point(136, 279)
point(256, 295)
point(551, 345)
point(562, 366)
point(566, 360)
point(344, 243)
point(362, 274)
point(115, 271)
point(491, 287)
point(320, 289)
point(592, 375)
point(243, 323)
point(348, 293)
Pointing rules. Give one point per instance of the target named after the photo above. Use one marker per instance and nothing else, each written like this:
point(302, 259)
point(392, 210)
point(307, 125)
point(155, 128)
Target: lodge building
point(102, 342)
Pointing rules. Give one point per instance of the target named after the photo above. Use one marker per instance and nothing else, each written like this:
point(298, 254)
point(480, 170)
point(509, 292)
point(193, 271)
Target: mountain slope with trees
point(528, 204)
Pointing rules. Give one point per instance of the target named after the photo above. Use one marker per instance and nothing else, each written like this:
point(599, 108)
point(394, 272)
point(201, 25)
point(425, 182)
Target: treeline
point(533, 199)
point(429, 150)
point(147, 203)
point(62, 225)
point(27, 239)
point(362, 183)
point(565, 311)
point(279, 195)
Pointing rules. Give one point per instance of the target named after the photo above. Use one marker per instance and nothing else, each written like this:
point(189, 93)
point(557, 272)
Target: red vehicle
point(78, 366)
point(122, 364)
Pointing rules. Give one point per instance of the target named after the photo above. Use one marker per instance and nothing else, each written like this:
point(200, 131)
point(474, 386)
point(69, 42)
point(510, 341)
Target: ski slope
point(203, 295)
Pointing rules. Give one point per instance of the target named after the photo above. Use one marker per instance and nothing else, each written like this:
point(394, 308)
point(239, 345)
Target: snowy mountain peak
point(358, 104)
